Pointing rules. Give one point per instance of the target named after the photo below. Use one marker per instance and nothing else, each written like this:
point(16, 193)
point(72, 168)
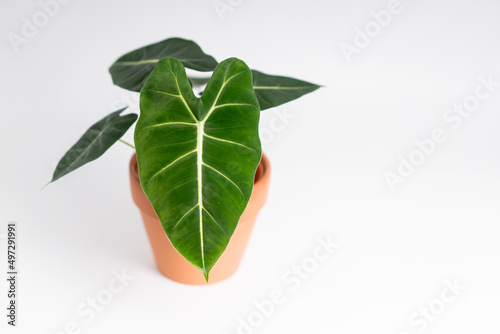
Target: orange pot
point(170, 262)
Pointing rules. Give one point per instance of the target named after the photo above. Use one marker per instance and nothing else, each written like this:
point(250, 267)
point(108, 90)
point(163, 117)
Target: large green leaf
point(97, 140)
point(197, 157)
point(272, 90)
point(133, 69)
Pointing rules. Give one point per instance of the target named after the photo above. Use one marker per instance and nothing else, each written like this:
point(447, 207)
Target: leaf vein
point(172, 163)
point(228, 141)
point(225, 176)
point(178, 222)
point(169, 123)
point(216, 223)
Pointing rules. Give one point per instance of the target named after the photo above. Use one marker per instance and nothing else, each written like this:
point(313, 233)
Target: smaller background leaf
point(272, 90)
point(97, 140)
point(133, 69)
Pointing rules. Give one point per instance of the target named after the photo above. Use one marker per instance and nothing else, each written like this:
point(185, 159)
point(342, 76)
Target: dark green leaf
point(133, 69)
point(197, 157)
point(98, 138)
point(272, 90)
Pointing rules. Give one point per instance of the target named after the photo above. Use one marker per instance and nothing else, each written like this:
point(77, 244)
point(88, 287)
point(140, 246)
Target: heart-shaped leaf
point(197, 157)
point(97, 140)
point(133, 69)
point(272, 90)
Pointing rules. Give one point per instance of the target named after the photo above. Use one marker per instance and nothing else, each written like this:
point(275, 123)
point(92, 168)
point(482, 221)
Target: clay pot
point(170, 262)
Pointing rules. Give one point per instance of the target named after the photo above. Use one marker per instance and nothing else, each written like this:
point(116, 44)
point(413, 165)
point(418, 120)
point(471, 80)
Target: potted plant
point(198, 161)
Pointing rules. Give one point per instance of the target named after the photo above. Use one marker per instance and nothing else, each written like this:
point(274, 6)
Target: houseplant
point(197, 157)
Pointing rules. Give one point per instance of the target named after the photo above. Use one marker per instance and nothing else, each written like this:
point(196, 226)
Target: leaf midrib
point(199, 147)
point(281, 88)
point(154, 61)
point(200, 124)
point(84, 151)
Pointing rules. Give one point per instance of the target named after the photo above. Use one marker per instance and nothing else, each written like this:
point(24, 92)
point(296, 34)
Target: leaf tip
point(205, 273)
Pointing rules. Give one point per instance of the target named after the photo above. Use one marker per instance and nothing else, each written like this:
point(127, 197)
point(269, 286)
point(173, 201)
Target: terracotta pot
point(170, 262)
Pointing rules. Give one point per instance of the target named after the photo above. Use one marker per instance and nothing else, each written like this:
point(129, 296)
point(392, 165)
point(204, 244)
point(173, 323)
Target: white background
point(328, 164)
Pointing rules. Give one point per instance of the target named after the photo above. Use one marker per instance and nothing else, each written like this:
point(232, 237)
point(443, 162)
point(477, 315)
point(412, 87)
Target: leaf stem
point(128, 144)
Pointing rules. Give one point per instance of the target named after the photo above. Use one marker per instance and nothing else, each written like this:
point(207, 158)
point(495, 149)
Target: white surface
point(328, 163)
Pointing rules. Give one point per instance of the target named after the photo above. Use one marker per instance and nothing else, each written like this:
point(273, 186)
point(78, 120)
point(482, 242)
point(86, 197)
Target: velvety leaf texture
point(133, 69)
point(197, 157)
point(97, 140)
point(272, 90)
